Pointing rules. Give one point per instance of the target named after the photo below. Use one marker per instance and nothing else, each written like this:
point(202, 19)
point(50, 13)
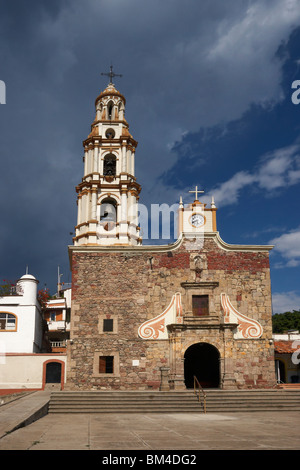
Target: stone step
point(179, 394)
point(289, 386)
point(173, 402)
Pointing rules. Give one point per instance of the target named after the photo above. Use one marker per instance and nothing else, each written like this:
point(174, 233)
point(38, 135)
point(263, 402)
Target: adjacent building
point(57, 315)
point(26, 359)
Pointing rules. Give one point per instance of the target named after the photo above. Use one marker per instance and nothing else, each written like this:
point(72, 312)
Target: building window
point(108, 324)
point(8, 321)
point(106, 364)
point(200, 305)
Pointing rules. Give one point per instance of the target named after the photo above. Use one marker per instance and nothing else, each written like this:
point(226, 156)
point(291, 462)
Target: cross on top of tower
point(196, 192)
point(111, 74)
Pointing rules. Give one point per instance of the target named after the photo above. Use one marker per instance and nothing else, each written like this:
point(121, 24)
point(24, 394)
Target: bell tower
point(107, 197)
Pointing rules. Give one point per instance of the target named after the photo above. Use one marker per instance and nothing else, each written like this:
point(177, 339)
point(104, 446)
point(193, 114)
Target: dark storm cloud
point(185, 65)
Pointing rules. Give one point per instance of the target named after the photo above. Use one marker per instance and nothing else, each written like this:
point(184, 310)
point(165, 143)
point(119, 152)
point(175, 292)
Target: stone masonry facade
point(133, 285)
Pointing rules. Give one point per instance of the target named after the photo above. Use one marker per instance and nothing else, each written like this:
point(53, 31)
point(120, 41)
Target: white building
point(287, 358)
point(21, 321)
point(25, 363)
point(57, 316)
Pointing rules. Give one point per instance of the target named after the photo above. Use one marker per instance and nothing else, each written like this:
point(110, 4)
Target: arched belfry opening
point(202, 360)
point(110, 109)
point(109, 165)
point(108, 213)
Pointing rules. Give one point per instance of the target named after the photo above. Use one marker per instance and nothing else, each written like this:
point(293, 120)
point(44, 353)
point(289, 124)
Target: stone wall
point(133, 286)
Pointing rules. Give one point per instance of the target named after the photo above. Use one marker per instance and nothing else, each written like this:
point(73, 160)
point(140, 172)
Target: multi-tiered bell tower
point(108, 194)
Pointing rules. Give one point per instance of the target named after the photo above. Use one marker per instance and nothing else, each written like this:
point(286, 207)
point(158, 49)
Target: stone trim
point(200, 285)
point(115, 324)
point(97, 355)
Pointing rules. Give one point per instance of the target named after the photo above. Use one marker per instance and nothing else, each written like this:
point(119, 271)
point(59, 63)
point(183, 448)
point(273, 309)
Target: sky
point(211, 98)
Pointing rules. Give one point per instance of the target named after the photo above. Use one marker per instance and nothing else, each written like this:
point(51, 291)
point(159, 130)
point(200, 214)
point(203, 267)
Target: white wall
point(29, 334)
point(28, 337)
point(21, 371)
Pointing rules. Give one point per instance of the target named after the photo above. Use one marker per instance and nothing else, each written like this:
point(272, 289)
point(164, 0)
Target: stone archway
point(202, 360)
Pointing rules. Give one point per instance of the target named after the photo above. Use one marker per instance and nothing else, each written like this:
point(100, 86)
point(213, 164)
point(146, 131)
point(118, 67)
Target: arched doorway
point(203, 361)
point(53, 373)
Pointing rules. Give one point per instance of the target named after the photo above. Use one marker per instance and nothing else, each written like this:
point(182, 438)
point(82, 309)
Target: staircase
point(217, 401)
point(222, 401)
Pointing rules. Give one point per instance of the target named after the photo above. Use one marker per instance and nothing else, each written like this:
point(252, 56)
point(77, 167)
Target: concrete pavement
point(23, 410)
point(146, 432)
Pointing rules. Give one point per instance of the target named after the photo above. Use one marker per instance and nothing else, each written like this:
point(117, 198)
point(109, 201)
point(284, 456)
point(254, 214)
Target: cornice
point(90, 141)
point(141, 249)
point(203, 284)
point(87, 186)
point(172, 246)
point(234, 247)
point(137, 249)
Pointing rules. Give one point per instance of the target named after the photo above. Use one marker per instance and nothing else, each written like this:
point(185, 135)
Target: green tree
point(282, 322)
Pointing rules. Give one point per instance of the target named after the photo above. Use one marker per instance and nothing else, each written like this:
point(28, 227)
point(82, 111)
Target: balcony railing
point(58, 344)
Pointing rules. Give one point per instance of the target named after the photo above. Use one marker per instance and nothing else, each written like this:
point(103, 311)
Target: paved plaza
point(148, 432)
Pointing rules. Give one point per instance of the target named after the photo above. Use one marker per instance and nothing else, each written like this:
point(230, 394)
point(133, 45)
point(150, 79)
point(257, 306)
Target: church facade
point(158, 316)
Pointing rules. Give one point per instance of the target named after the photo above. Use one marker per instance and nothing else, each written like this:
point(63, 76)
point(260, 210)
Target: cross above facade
point(196, 192)
point(111, 74)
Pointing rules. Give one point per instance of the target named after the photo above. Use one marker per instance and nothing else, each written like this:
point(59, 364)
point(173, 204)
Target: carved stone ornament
point(156, 328)
point(199, 265)
point(247, 328)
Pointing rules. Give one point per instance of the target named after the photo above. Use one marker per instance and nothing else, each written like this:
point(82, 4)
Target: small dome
point(110, 90)
point(28, 276)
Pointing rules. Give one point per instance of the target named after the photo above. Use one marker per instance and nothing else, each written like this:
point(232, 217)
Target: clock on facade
point(196, 220)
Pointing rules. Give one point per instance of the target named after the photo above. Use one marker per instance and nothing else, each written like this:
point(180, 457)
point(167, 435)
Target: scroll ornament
point(247, 328)
point(156, 328)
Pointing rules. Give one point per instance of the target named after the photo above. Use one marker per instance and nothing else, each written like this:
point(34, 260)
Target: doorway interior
point(53, 373)
point(202, 360)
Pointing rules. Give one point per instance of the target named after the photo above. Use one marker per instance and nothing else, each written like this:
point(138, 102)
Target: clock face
point(110, 134)
point(197, 220)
